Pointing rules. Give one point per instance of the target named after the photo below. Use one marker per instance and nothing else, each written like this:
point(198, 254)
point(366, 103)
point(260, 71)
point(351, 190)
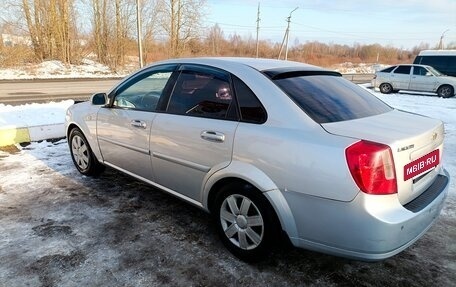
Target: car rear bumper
point(370, 227)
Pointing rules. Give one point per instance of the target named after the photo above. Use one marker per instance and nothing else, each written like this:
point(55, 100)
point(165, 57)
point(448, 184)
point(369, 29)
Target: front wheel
point(82, 155)
point(386, 88)
point(445, 91)
point(246, 222)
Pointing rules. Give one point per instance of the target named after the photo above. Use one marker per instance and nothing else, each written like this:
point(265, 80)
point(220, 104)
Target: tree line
point(70, 30)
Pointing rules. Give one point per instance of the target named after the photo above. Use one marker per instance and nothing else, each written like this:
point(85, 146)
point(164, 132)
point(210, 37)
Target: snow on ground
point(59, 70)
point(58, 228)
point(357, 68)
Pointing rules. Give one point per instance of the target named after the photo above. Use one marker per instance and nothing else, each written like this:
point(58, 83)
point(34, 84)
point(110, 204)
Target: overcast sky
point(400, 23)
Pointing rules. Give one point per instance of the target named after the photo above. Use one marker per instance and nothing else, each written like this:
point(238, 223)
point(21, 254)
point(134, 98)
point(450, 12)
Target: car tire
point(386, 88)
point(82, 155)
point(246, 221)
point(445, 91)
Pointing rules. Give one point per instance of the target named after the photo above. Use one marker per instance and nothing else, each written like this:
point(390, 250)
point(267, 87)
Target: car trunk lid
point(416, 143)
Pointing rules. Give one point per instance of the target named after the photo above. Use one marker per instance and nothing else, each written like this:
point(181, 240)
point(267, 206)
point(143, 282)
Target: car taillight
point(372, 167)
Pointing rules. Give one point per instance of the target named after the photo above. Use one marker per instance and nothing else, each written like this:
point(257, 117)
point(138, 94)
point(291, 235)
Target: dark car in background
point(442, 60)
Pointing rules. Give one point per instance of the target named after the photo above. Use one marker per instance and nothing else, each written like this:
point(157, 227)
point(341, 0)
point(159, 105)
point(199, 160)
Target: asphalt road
point(42, 91)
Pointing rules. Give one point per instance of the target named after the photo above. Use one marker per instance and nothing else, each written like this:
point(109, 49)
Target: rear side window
point(202, 93)
point(328, 99)
point(252, 110)
point(388, 70)
point(403, 70)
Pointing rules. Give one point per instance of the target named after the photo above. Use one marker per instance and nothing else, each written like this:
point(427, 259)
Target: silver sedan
point(272, 150)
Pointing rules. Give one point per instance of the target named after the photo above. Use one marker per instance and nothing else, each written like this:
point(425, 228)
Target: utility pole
point(258, 29)
point(285, 37)
point(441, 39)
point(138, 25)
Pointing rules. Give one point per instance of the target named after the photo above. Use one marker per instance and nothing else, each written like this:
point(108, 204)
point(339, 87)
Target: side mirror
point(98, 99)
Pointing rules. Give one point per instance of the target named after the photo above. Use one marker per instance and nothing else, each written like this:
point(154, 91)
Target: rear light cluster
point(372, 167)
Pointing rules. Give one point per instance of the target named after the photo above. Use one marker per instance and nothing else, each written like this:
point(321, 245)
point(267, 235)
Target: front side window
point(420, 71)
point(202, 93)
point(328, 99)
point(403, 70)
point(144, 92)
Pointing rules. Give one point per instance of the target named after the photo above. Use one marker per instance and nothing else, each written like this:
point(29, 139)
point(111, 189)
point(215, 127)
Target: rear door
point(123, 127)
point(400, 77)
point(195, 136)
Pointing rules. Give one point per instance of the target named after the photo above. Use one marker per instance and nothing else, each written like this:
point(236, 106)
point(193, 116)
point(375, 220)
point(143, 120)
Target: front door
point(123, 126)
point(422, 80)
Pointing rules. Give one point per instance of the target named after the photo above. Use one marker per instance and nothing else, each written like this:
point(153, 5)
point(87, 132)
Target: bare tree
point(112, 24)
point(50, 26)
point(100, 29)
point(181, 20)
point(150, 10)
point(215, 39)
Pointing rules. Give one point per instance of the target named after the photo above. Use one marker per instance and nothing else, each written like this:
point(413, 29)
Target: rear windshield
point(328, 99)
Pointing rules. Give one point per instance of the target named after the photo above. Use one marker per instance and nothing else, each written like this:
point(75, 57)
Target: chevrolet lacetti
point(271, 149)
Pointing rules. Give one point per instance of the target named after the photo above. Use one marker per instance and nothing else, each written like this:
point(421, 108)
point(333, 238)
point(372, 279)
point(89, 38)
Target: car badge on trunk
point(405, 147)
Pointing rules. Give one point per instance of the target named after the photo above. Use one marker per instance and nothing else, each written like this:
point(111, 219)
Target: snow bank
point(32, 122)
point(59, 70)
point(33, 114)
point(361, 68)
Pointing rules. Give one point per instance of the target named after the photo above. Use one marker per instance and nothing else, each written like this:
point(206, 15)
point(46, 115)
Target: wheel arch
point(93, 143)
point(69, 128)
point(246, 173)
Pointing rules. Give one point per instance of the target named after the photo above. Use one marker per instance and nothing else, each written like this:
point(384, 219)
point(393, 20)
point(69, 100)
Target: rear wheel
point(82, 155)
point(246, 222)
point(386, 88)
point(445, 91)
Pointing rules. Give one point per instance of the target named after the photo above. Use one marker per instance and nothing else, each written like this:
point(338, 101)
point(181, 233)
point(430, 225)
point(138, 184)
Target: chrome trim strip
point(172, 192)
point(137, 149)
point(183, 162)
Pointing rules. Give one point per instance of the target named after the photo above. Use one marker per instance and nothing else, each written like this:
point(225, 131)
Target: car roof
point(414, 65)
point(437, 53)
point(260, 64)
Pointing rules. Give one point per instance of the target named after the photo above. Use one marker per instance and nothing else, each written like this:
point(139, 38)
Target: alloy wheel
point(80, 152)
point(242, 221)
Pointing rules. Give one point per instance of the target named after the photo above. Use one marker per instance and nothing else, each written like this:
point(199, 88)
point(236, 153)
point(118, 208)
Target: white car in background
point(418, 78)
point(272, 150)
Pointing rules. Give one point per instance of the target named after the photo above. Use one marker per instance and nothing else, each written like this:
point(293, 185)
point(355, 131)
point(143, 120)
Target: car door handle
point(138, 124)
point(213, 136)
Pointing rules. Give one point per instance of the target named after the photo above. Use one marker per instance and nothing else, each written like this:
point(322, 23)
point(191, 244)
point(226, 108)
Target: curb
point(15, 135)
